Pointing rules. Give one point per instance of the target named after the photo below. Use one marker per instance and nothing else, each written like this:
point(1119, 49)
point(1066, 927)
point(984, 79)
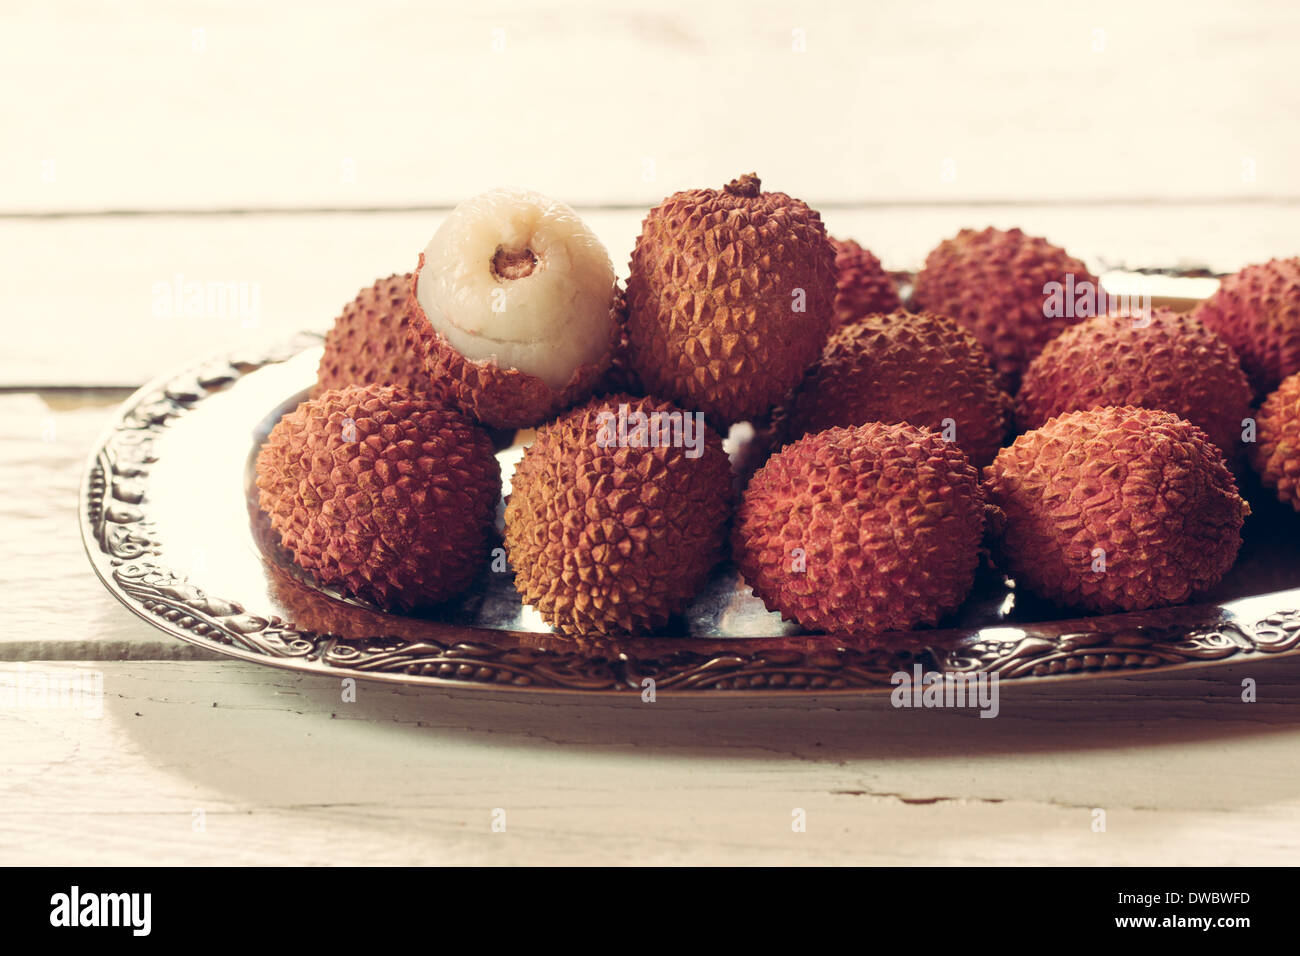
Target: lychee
point(387, 495)
point(512, 304)
point(1257, 312)
point(925, 370)
point(616, 515)
point(1116, 509)
point(863, 287)
point(861, 530)
point(1276, 453)
point(367, 345)
point(1158, 359)
point(1009, 289)
point(730, 298)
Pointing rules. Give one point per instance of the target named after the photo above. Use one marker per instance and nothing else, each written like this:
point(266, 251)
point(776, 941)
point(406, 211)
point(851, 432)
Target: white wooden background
point(304, 151)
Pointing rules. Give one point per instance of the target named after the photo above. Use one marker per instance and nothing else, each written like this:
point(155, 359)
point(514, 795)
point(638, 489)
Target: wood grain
point(242, 105)
point(1185, 772)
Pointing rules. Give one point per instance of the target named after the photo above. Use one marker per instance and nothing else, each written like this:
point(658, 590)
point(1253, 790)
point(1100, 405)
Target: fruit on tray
point(863, 529)
point(738, 308)
point(512, 303)
point(616, 515)
point(1115, 509)
point(1257, 312)
point(1015, 292)
point(923, 369)
point(1161, 359)
point(730, 298)
point(1276, 452)
point(385, 494)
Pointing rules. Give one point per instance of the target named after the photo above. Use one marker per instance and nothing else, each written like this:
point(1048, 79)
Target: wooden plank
point(241, 105)
point(82, 293)
point(52, 599)
point(280, 770)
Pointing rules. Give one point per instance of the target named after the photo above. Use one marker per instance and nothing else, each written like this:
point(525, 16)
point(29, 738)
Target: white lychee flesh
point(517, 278)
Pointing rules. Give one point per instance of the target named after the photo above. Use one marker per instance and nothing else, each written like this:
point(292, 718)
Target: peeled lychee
point(386, 495)
point(925, 370)
point(512, 304)
point(1159, 359)
point(999, 283)
point(367, 344)
point(730, 298)
point(1257, 312)
point(861, 530)
point(1116, 509)
point(863, 287)
point(617, 513)
point(1276, 453)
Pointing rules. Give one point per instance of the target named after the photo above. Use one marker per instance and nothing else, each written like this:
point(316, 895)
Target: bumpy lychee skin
point(996, 282)
point(1276, 452)
point(1257, 312)
point(862, 530)
point(924, 369)
point(513, 305)
point(611, 530)
point(730, 298)
point(367, 344)
point(1161, 359)
point(1116, 509)
point(386, 495)
point(863, 287)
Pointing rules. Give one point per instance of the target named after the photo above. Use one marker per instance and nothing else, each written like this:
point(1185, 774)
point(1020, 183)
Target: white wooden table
point(307, 154)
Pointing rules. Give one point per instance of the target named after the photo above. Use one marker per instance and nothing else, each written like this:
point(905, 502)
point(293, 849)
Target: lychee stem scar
point(508, 264)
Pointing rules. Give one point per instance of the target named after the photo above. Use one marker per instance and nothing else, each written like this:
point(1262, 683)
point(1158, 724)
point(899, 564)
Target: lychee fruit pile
point(992, 417)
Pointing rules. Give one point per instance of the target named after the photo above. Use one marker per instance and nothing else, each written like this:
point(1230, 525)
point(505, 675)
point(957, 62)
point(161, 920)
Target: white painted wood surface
point(248, 104)
point(283, 771)
point(1153, 134)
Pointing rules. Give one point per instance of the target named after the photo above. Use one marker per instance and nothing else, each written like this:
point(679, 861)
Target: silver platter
point(172, 531)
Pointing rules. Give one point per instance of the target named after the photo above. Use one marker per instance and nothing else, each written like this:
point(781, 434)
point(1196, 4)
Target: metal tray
point(169, 519)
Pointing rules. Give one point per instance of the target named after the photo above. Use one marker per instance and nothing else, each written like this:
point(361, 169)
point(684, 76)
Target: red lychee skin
point(923, 369)
point(993, 281)
point(863, 287)
point(495, 396)
point(862, 530)
point(614, 538)
point(715, 281)
point(1164, 360)
point(620, 377)
point(1276, 452)
point(367, 345)
point(1257, 312)
point(387, 495)
point(1147, 488)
